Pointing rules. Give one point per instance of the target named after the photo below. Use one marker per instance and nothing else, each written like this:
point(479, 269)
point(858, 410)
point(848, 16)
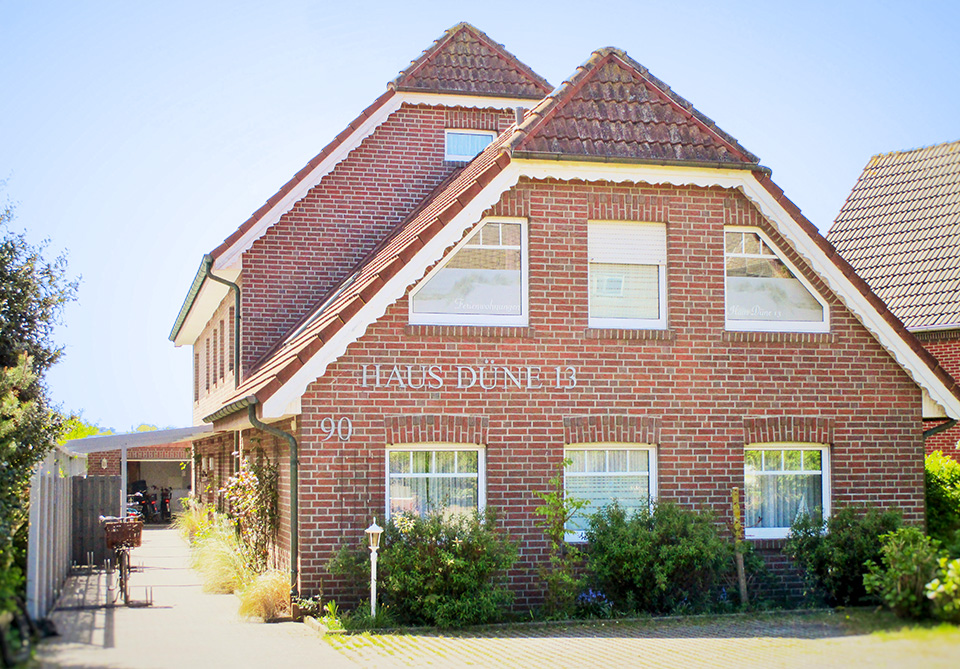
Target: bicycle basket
point(123, 534)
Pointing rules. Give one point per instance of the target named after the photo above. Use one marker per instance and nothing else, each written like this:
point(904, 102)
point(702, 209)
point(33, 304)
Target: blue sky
point(136, 136)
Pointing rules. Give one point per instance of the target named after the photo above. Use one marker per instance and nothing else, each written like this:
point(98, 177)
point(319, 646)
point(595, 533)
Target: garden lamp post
point(373, 535)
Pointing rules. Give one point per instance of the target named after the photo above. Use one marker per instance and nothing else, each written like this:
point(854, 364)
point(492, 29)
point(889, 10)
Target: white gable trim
point(204, 306)
point(286, 401)
point(232, 256)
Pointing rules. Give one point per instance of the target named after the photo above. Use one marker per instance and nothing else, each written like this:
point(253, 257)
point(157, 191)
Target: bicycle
point(122, 534)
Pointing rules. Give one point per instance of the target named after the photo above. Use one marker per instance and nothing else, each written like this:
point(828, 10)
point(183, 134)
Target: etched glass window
point(762, 292)
point(481, 282)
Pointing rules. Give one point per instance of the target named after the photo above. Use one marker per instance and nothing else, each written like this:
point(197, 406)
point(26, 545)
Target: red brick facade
point(344, 217)
point(945, 345)
point(96, 461)
point(695, 393)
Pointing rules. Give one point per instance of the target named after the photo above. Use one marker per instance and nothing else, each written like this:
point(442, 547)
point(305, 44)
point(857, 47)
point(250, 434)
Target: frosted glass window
point(482, 282)
point(422, 480)
point(781, 485)
point(463, 145)
point(604, 476)
point(762, 292)
point(626, 272)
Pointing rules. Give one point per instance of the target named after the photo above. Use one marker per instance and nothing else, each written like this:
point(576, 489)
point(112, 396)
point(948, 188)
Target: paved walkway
point(186, 628)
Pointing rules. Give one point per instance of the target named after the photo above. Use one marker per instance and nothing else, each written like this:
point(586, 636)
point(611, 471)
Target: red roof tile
point(900, 230)
point(614, 108)
point(465, 61)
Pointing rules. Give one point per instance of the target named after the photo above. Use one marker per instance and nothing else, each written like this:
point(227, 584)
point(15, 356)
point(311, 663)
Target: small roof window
point(462, 145)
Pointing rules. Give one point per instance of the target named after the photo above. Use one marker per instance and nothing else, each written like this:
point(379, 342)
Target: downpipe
point(294, 495)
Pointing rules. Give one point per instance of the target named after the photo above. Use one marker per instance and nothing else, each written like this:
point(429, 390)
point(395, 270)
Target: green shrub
point(663, 560)
point(563, 596)
point(443, 570)
point(832, 554)
point(942, 479)
point(944, 591)
point(910, 560)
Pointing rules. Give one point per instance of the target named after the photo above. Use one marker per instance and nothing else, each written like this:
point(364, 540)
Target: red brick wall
point(693, 386)
point(177, 452)
point(946, 347)
point(313, 246)
point(213, 464)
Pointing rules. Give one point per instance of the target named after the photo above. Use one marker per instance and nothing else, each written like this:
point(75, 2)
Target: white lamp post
point(373, 535)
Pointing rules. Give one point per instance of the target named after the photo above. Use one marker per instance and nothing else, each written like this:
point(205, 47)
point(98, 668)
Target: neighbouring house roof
point(900, 230)
point(455, 207)
point(465, 60)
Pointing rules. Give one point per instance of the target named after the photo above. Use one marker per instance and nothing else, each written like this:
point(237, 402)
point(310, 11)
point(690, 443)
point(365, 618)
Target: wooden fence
point(49, 551)
point(93, 497)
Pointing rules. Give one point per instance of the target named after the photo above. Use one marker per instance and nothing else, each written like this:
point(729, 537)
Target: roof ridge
point(430, 52)
point(955, 145)
point(565, 91)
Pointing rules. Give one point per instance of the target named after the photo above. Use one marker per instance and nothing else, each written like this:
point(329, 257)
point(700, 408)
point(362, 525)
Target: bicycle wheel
point(123, 563)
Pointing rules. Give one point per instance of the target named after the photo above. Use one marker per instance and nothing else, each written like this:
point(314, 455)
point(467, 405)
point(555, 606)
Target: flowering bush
point(944, 591)
point(254, 503)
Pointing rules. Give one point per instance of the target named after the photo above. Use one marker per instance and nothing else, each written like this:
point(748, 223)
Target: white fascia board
point(286, 401)
point(115, 442)
point(231, 257)
point(204, 306)
point(930, 408)
point(471, 101)
point(744, 181)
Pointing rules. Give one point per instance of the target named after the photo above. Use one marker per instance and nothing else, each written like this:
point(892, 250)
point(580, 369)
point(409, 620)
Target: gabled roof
point(613, 108)
point(454, 208)
point(900, 230)
point(465, 60)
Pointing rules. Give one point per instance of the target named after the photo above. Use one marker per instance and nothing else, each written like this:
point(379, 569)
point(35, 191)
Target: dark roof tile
point(465, 61)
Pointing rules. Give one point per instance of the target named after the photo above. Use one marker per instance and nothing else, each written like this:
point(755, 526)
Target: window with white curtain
point(461, 145)
point(782, 482)
point(765, 293)
point(435, 476)
point(606, 473)
point(627, 263)
point(483, 281)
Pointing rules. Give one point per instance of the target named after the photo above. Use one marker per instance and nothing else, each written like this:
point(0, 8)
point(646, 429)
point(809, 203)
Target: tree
point(75, 427)
point(33, 292)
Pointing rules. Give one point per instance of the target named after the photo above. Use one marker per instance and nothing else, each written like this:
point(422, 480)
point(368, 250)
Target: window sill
point(498, 331)
point(619, 333)
point(743, 336)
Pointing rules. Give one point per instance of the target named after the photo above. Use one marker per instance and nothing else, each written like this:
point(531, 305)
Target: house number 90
point(342, 429)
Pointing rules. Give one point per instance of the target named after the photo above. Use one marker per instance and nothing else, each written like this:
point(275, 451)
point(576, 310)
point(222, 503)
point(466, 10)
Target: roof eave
point(703, 164)
point(191, 296)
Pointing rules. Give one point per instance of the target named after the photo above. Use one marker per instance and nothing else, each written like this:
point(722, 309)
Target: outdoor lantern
point(373, 535)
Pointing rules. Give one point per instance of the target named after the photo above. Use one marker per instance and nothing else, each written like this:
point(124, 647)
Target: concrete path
point(184, 628)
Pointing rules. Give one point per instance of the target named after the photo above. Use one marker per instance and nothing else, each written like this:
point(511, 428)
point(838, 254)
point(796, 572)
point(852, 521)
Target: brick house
point(483, 275)
point(898, 229)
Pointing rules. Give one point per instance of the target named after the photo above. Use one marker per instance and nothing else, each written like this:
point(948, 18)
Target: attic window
point(628, 287)
point(765, 293)
point(463, 145)
point(483, 281)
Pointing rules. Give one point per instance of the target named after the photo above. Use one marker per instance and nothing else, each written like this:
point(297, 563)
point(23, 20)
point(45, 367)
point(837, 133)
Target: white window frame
point(521, 319)
point(659, 323)
point(772, 326)
point(461, 158)
point(825, 483)
point(580, 537)
point(480, 450)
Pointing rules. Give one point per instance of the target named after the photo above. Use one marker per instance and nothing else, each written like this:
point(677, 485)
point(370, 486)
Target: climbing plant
point(253, 500)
